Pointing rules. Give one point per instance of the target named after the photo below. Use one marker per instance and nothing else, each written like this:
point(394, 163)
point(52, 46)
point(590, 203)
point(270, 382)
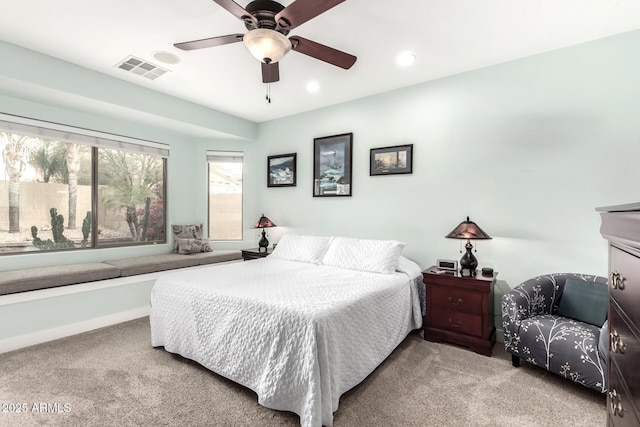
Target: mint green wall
point(40, 87)
point(47, 313)
point(527, 149)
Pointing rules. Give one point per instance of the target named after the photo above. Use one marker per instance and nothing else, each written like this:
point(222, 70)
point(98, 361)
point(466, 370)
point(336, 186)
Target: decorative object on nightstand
point(254, 253)
point(468, 230)
point(263, 223)
point(459, 309)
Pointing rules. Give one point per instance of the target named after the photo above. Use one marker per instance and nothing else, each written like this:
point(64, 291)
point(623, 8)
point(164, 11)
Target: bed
point(300, 327)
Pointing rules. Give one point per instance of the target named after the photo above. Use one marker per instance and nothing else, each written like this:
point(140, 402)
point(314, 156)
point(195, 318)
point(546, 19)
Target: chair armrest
point(533, 297)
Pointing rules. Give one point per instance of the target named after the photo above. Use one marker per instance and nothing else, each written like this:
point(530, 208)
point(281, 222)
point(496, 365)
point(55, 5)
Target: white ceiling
point(448, 37)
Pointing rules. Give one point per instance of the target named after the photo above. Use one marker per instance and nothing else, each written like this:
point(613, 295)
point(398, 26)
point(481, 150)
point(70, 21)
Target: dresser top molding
point(629, 207)
point(621, 225)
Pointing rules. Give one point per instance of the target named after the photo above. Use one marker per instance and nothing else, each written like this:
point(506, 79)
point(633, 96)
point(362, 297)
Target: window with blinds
point(225, 194)
point(64, 188)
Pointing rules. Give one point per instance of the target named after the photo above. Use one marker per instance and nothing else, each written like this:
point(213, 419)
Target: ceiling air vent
point(141, 68)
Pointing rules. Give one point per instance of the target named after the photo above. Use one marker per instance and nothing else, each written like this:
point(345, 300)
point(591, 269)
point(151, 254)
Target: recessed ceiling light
point(313, 87)
point(405, 59)
point(166, 57)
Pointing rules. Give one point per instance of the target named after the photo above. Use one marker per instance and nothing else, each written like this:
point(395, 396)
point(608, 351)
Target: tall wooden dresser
point(621, 226)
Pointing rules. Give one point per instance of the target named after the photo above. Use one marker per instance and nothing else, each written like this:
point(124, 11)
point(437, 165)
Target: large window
point(225, 195)
point(65, 188)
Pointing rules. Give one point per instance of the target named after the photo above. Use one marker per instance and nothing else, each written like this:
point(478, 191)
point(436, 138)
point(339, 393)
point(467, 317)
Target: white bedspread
point(298, 334)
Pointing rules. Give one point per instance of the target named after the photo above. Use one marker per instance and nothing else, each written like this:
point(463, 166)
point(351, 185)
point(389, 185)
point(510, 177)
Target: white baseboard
point(39, 337)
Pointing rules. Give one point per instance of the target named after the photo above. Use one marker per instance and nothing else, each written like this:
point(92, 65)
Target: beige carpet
point(113, 377)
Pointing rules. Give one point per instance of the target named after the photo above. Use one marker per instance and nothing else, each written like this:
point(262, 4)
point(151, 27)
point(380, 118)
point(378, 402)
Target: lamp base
point(468, 262)
point(263, 243)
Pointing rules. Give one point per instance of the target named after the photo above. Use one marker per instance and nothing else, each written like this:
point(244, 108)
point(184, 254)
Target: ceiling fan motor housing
point(265, 12)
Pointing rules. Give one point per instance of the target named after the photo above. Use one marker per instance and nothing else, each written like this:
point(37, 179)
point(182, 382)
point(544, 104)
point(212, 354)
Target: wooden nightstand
point(459, 309)
point(254, 253)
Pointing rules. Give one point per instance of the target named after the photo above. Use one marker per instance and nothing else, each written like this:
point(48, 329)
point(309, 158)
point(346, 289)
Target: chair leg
point(515, 360)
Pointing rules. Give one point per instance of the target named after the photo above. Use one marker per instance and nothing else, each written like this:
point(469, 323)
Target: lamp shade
point(266, 45)
point(264, 222)
point(468, 230)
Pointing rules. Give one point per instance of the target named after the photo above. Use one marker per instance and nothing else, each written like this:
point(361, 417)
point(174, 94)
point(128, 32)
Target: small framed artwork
point(281, 170)
point(332, 166)
point(391, 160)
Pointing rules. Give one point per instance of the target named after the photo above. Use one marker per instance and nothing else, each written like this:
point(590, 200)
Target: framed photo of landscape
point(391, 160)
point(332, 163)
point(281, 170)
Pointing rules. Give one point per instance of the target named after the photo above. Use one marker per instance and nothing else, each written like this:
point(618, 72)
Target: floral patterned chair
point(535, 331)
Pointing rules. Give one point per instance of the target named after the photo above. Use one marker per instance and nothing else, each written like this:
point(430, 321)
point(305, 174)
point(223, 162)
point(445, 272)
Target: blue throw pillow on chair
point(584, 301)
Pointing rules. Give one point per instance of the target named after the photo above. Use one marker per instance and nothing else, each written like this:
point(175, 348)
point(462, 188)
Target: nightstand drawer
point(456, 299)
point(465, 323)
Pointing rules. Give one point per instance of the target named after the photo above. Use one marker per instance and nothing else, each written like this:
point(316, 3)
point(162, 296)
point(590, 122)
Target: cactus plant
point(57, 228)
point(86, 229)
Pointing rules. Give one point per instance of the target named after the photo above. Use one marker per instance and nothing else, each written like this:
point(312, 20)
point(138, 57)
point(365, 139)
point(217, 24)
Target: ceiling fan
point(268, 23)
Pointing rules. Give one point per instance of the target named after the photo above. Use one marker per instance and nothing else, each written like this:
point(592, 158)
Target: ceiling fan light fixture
point(266, 45)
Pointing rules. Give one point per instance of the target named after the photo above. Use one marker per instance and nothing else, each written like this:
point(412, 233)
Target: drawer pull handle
point(614, 403)
point(455, 303)
point(456, 324)
point(617, 346)
point(617, 281)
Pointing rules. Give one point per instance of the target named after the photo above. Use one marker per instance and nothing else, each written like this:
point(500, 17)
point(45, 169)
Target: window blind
point(225, 156)
point(64, 133)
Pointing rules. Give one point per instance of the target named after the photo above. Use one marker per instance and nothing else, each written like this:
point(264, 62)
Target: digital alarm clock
point(447, 264)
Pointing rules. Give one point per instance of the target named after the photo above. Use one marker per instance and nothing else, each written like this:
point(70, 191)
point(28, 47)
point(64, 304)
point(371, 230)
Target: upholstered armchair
point(568, 337)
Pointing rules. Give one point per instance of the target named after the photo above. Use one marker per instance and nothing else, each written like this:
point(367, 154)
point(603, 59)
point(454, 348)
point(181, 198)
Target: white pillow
point(376, 256)
point(302, 248)
point(409, 267)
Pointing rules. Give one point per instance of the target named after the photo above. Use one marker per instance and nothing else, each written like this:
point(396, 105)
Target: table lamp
point(468, 230)
point(263, 223)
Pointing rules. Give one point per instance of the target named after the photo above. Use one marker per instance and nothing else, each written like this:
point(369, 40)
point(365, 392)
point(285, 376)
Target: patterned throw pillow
point(192, 246)
point(185, 232)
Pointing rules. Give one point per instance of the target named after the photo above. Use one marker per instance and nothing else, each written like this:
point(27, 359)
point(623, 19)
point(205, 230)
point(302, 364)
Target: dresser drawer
point(454, 299)
point(620, 412)
point(464, 323)
point(624, 350)
point(626, 289)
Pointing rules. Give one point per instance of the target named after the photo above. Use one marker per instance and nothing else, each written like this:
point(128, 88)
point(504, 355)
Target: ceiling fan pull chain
point(268, 97)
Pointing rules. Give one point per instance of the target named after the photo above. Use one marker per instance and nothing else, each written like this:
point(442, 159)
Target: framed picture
point(332, 165)
point(281, 170)
point(391, 160)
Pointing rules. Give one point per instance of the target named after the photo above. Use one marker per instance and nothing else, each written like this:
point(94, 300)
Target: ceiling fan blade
point(210, 42)
point(322, 52)
point(237, 10)
point(300, 11)
point(270, 72)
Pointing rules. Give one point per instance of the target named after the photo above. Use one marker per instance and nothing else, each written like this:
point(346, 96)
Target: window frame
point(96, 140)
point(211, 155)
